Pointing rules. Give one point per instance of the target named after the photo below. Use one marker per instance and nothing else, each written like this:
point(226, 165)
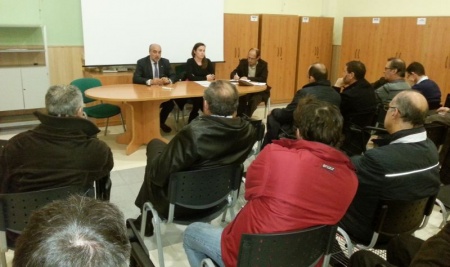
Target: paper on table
point(203, 83)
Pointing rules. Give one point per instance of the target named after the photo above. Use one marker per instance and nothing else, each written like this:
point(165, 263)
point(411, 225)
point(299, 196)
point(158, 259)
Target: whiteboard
point(119, 32)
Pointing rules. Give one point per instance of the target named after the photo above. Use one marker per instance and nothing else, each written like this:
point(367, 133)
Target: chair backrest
point(396, 217)
point(447, 101)
point(204, 188)
point(356, 137)
point(437, 132)
point(299, 248)
point(180, 70)
point(86, 83)
point(15, 208)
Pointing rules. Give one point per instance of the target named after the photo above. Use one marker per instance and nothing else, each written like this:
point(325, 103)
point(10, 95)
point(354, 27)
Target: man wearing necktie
point(155, 70)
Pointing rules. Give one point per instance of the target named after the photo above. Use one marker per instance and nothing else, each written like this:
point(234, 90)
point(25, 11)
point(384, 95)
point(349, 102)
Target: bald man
point(406, 169)
point(155, 70)
point(318, 86)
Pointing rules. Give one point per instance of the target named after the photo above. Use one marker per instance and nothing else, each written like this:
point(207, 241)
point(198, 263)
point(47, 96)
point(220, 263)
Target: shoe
point(165, 128)
point(148, 227)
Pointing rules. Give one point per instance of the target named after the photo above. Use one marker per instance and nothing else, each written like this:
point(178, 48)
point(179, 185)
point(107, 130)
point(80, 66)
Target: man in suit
point(155, 70)
point(255, 69)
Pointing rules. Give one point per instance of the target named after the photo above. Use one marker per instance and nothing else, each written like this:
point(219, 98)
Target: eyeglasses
point(388, 68)
point(386, 108)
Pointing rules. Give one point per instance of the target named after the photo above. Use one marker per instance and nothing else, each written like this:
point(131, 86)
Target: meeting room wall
point(65, 38)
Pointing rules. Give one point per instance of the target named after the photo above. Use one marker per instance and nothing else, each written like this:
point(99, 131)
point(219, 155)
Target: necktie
point(155, 65)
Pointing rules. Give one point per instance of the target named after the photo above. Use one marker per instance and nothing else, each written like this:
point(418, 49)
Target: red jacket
point(291, 185)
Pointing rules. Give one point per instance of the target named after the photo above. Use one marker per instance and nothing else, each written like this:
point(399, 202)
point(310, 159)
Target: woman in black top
point(198, 68)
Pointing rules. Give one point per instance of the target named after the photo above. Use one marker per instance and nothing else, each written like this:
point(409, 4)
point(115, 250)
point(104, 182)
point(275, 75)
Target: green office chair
point(102, 110)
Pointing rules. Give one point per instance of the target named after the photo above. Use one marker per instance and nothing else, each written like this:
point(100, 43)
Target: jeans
point(202, 240)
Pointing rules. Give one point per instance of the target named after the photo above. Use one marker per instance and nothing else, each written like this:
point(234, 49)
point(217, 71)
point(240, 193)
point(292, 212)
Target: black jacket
point(58, 152)
point(144, 70)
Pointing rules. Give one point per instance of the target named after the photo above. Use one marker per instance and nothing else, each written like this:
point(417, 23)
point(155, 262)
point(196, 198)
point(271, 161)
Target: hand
point(210, 77)
point(443, 110)
point(339, 83)
point(236, 77)
point(157, 81)
point(165, 80)
point(244, 78)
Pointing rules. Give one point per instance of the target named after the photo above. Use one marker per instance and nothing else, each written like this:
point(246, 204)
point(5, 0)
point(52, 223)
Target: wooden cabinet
point(241, 32)
point(315, 44)
point(23, 67)
point(278, 43)
point(374, 40)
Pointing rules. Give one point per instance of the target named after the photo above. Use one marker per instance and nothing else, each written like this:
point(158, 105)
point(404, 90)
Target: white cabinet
point(24, 77)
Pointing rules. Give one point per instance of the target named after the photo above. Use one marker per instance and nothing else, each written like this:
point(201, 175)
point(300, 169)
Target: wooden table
point(142, 103)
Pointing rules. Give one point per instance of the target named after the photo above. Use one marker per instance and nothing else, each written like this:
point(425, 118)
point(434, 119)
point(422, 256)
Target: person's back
point(428, 88)
point(406, 169)
point(75, 232)
point(394, 73)
point(296, 184)
point(62, 150)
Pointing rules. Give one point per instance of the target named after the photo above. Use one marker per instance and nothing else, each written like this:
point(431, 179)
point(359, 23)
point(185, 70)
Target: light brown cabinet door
point(279, 39)
point(314, 45)
point(241, 32)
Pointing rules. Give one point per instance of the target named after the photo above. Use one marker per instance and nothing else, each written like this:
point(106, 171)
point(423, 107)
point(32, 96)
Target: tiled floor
point(127, 178)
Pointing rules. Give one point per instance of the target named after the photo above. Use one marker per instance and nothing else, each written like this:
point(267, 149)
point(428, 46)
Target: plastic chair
point(393, 217)
point(102, 110)
point(443, 201)
point(214, 190)
point(356, 137)
point(16, 208)
point(298, 248)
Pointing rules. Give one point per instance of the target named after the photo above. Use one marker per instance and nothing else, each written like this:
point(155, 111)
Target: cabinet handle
point(446, 61)
point(354, 54)
point(281, 51)
point(400, 55)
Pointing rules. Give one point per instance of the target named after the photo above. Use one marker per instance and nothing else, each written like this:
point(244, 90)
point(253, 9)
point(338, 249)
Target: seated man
point(428, 88)
point(291, 185)
point(78, 231)
point(155, 70)
point(406, 169)
point(62, 150)
point(407, 250)
point(318, 86)
point(216, 138)
point(255, 69)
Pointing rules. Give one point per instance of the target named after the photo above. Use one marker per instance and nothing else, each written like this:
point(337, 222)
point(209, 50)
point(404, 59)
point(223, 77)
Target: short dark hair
point(319, 121)
point(358, 68)
point(416, 67)
point(222, 98)
point(78, 231)
point(398, 64)
point(318, 71)
point(408, 109)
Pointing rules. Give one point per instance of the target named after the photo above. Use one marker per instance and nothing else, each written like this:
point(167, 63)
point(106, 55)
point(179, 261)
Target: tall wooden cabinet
point(315, 44)
point(241, 32)
point(278, 43)
point(422, 39)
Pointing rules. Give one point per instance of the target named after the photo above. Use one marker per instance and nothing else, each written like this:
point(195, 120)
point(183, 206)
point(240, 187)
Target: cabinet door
point(436, 53)
point(35, 84)
point(361, 38)
point(279, 39)
point(11, 89)
point(314, 45)
point(240, 34)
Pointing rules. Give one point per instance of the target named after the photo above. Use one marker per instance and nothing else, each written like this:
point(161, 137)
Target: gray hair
point(63, 100)
point(75, 232)
point(222, 98)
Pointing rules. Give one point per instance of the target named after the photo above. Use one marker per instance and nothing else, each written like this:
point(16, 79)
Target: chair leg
point(348, 241)
point(123, 124)
point(3, 259)
point(444, 213)
point(107, 122)
point(267, 108)
point(157, 229)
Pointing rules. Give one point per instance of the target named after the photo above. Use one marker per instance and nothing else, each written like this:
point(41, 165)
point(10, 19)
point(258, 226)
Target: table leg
point(142, 124)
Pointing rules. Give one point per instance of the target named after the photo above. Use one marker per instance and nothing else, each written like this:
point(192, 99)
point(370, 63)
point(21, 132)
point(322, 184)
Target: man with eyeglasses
point(405, 169)
point(255, 69)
